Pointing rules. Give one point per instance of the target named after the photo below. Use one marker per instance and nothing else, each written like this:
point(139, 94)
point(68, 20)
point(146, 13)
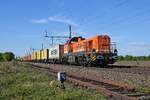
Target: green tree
point(134, 58)
point(120, 57)
point(8, 56)
point(1, 56)
point(128, 57)
point(148, 57)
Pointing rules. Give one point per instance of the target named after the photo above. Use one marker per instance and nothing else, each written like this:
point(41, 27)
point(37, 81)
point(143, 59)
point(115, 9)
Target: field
point(138, 77)
point(134, 63)
point(24, 83)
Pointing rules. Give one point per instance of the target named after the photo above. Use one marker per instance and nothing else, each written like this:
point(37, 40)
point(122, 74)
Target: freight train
point(95, 51)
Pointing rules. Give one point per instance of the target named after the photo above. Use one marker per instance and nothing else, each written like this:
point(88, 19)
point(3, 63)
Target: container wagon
point(56, 53)
point(38, 56)
point(44, 55)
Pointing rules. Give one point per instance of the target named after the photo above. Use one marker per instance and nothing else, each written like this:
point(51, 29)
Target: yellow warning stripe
point(93, 58)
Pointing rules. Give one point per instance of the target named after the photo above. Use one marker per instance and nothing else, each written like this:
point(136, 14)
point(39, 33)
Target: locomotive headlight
point(114, 57)
point(100, 57)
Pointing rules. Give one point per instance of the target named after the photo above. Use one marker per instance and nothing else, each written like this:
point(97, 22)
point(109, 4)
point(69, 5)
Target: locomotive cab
point(75, 39)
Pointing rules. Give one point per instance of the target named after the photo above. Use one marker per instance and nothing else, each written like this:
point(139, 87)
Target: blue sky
point(23, 22)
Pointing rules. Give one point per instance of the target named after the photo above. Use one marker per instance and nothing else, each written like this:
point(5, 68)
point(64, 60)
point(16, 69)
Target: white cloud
point(40, 21)
point(62, 20)
point(137, 51)
point(138, 48)
point(139, 44)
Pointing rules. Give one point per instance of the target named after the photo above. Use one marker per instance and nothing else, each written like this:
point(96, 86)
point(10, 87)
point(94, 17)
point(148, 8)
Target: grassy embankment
point(19, 82)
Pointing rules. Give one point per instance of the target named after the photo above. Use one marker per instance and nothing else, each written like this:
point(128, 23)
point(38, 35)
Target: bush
point(7, 56)
point(1, 57)
point(134, 58)
point(120, 58)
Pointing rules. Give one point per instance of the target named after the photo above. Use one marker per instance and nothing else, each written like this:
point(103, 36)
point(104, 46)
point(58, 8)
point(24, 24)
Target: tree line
point(134, 58)
point(7, 56)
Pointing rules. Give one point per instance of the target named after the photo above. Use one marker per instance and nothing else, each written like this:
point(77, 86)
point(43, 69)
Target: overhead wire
point(122, 19)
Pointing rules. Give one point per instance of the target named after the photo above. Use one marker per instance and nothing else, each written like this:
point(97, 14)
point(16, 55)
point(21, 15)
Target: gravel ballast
point(132, 79)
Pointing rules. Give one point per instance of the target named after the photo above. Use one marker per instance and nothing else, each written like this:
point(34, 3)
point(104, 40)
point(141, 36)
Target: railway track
point(113, 90)
point(125, 69)
point(116, 68)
